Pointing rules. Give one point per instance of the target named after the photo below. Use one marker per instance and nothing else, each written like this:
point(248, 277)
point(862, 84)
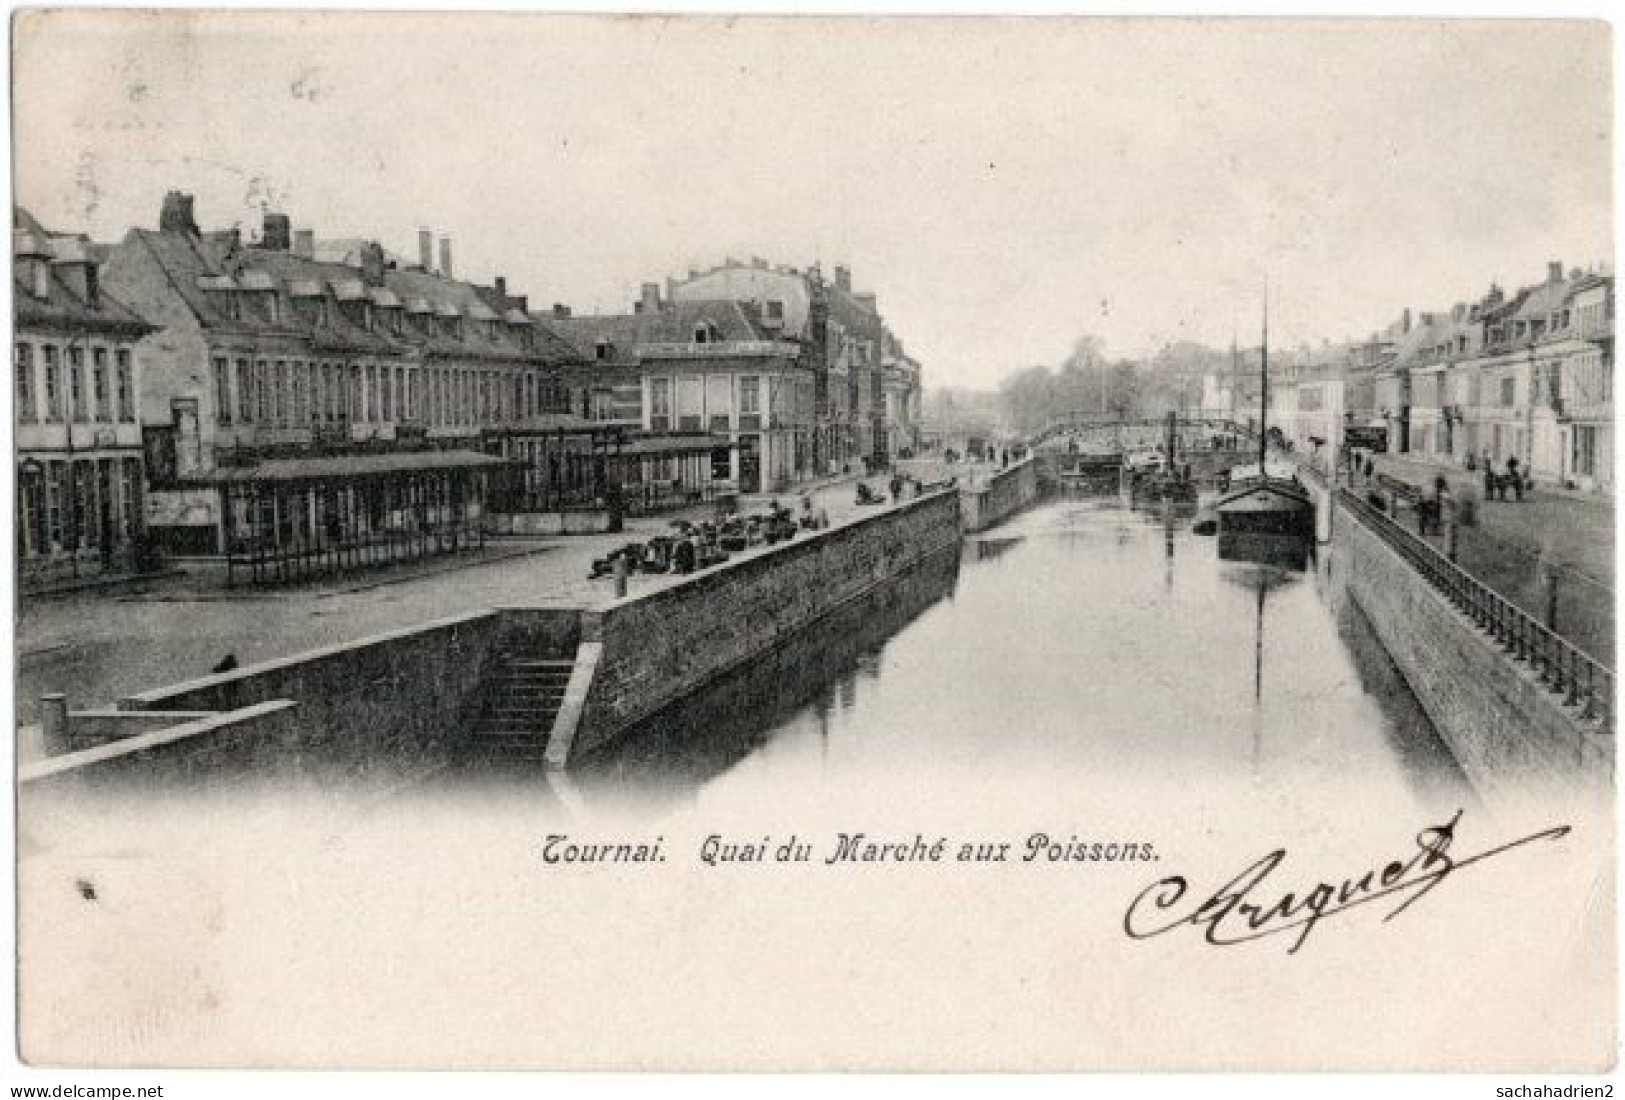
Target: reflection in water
point(1410, 735)
point(1072, 654)
point(986, 549)
point(816, 673)
point(1262, 563)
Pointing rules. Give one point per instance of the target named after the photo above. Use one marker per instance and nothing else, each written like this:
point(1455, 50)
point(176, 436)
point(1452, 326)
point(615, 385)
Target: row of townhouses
point(288, 405)
point(1526, 375)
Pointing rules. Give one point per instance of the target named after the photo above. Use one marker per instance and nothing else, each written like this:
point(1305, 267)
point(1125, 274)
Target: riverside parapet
point(999, 497)
point(655, 648)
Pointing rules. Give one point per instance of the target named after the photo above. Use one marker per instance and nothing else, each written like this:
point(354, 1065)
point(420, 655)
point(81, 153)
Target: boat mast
point(1264, 390)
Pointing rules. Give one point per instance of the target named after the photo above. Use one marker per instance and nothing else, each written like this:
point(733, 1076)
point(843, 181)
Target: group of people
point(899, 484)
point(697, 546)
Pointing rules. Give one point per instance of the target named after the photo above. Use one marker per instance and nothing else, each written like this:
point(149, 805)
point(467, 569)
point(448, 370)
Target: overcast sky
point(1003, 186)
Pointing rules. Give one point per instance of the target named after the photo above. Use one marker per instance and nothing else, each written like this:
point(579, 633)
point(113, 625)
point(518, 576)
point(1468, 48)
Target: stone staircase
point(522, 696)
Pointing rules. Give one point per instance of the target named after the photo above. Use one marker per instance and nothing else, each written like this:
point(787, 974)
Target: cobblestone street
point(1513, 544)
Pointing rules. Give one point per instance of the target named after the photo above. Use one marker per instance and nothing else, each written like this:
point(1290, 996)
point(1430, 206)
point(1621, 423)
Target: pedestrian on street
point(1492, 484)
point(1441, 503)
point(1515, 476)
point(1369, 467)
point(684, 556)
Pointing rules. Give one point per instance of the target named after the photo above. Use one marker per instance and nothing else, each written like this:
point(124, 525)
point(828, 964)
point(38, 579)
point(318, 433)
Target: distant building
point(715, 380)
point(77, 373)
point(1218, 401)
point(844, 340)
point(1583, 387)
point(1526, 376)
point(1313, 399)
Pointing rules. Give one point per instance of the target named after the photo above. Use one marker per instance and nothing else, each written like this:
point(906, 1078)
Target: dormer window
point(221, 294)
point(259, 296)
point(450, 320)
point(309, 301)
point(420, 316)
point(311, 311)
point(352, 299)
point(355, 312)
point(385, 309)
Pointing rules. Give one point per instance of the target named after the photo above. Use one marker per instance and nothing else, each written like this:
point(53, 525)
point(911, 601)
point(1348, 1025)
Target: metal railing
point(1583, 682)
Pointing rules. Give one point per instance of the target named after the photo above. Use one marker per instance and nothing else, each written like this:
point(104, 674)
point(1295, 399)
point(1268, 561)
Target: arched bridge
point(1194, 430)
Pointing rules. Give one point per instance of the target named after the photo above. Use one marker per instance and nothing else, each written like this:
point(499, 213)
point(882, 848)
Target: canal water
point(1090, 641)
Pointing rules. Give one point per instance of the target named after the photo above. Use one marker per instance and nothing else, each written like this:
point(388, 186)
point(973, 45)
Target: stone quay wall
point(391, 703)
point(659, 647)
point(194, 751)
point(1004, 494)
point(398, 703)
point(1506, 730)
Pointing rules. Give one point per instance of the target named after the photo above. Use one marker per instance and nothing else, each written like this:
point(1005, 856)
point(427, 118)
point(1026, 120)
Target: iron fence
point(1583, 682)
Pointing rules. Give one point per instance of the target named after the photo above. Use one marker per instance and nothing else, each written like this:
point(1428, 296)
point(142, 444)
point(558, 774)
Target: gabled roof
point(62, 307)
point(1540, 301)
point(188, 265)
point(730, 321)
point(1413, 346)
point(1588, 281)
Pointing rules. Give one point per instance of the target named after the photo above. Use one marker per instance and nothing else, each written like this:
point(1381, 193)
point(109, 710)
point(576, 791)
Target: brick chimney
point(500, 285)
point(304, 244)
point(1554, 271)
point(1405, 320)
point(649, 301)
point(560, 310)
point(277, 232)
point(426, 251)
point(445, 257)
point(372, 263)
point(843, 278)
point(867, 299)
point(176, 215)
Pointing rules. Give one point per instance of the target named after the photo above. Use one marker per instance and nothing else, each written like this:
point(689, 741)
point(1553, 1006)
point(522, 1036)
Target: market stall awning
point(348, 467)
point(677, 445)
